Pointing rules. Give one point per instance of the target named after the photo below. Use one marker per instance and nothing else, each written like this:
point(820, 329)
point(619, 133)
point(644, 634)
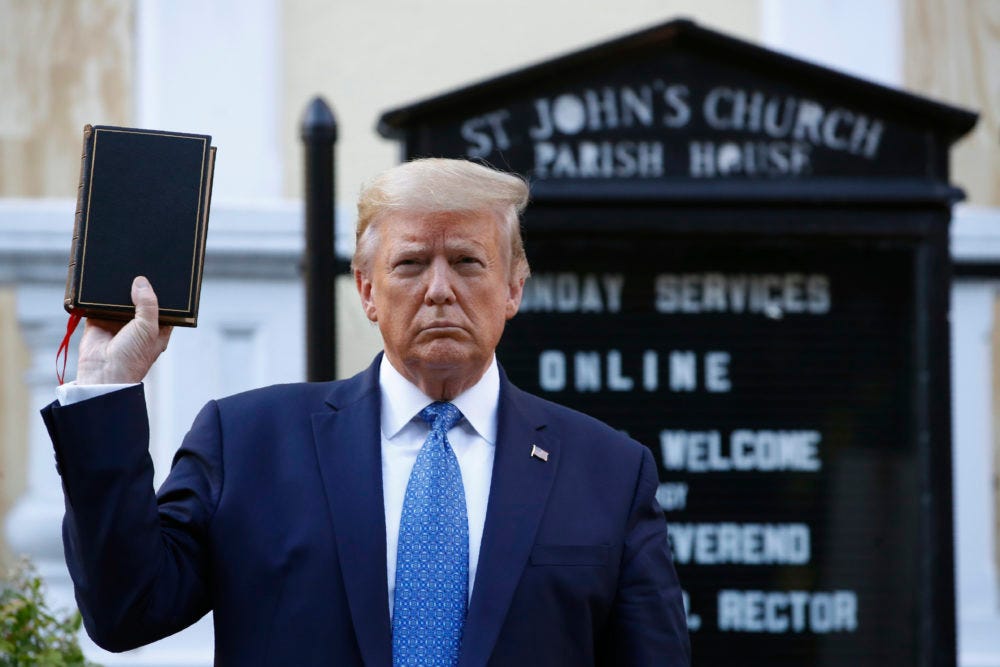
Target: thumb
point(147, 307)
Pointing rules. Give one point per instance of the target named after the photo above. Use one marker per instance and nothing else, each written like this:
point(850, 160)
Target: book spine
point(76, 246)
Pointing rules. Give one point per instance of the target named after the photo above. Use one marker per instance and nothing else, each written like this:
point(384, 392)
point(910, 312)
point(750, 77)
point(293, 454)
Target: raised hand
point(118, 352)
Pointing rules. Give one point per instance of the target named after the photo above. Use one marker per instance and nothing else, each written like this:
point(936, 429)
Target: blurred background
point(244, 71)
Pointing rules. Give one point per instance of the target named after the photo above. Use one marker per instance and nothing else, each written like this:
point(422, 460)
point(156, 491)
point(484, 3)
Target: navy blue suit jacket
point(272, 516)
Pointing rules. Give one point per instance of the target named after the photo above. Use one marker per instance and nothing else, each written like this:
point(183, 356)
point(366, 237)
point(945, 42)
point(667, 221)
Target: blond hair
point(440, 185)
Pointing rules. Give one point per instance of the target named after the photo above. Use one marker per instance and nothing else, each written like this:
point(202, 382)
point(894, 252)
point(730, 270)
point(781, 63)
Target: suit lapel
point(349, 452)
point(518, 491)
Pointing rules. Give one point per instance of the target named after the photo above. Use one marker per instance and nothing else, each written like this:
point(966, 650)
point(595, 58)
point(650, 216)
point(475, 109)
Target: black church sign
point(741, 259)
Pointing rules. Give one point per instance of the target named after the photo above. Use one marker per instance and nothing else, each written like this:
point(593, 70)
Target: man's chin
point(444, 356)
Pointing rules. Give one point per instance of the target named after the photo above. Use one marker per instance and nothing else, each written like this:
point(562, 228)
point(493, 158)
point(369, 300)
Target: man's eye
point(406, 266)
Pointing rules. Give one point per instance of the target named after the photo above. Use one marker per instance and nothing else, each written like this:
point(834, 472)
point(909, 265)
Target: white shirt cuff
point(71, 392)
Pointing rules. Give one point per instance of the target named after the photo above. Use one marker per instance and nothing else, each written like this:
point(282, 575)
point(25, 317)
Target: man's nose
point(439, 283)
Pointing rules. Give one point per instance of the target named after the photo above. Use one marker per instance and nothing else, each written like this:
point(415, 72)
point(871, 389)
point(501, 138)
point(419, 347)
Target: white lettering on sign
point(683, 371)
point(770, 294)
point(765, 134)
point(573, 293)
point(760, 450)
point(672, 496)
point(594, 371)
point(693, 620)
point(596, 110)
point(486, 133)
point(610, 108)
point(598, 159)
point(650, 370)
point(787, 117)
point(552, 370)
point(787, 128)
point(709, 159)
point(787, 611)
point(740, 543)
point(677, 111)
point(617, 381)
point(717, 372)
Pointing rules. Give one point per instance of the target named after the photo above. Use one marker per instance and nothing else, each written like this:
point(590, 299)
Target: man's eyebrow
point(409, 246)
point(462, 244)
point(451, 245)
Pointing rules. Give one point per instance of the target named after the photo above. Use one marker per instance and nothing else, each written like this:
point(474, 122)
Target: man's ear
point(514, 297)
point(366, 292)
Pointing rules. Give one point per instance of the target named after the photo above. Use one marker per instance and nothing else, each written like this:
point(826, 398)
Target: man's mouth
point(441, 328)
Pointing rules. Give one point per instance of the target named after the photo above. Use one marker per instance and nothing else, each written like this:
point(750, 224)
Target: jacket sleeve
point(139, 565)
point(649, 626)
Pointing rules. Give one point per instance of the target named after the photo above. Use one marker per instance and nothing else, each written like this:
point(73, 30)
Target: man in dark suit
point(424, 512)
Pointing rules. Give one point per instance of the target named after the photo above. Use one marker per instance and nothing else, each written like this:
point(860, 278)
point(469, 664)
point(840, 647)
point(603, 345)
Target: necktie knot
point(441, 416)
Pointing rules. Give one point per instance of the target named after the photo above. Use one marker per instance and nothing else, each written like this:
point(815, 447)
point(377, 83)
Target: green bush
point(31, 634)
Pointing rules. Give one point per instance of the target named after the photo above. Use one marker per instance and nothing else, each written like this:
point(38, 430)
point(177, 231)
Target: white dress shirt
point(473, 440)
point(71, 392)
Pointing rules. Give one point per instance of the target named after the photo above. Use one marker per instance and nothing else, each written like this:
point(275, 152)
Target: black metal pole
point(319, 134)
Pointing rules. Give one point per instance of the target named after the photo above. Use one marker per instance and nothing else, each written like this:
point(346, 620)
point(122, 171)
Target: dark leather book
point(142, 209)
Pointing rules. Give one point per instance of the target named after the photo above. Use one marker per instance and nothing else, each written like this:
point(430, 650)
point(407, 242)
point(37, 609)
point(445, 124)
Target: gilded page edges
point(72, 272)
point(203, 233)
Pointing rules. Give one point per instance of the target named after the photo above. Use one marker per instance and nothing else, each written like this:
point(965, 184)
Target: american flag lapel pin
point(539, 453)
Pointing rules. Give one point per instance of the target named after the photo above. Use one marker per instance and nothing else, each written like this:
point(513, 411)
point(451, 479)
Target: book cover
point(142, 209)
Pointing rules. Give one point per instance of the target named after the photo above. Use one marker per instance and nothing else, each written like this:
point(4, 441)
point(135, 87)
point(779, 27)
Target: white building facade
point(246, 71)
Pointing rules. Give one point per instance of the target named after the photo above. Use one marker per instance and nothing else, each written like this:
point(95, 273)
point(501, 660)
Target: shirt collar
point(402, 401)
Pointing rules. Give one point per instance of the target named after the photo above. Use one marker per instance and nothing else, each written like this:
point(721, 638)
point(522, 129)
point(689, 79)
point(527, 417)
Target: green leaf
point(31, 633)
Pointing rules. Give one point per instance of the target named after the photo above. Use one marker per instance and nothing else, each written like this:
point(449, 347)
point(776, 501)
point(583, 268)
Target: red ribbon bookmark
point(63, 351)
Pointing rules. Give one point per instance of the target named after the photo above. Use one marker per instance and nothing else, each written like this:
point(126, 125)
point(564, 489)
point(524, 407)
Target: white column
point(34, 524)
point(972, 365)
point(975, 237)
point(213, 68)
point(859, 37)
point(250, 333)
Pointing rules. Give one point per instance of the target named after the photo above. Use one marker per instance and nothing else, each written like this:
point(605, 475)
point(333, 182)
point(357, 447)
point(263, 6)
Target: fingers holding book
point(117, 352)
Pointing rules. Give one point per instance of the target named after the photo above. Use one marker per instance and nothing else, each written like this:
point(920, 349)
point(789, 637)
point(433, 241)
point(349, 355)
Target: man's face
point(441, 290)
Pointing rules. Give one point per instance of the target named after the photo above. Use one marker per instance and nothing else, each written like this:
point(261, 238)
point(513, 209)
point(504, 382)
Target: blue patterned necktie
point(432, 560)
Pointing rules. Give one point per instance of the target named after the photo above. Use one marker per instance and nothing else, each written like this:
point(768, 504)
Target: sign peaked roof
point(680, 34)
point(677, 107)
